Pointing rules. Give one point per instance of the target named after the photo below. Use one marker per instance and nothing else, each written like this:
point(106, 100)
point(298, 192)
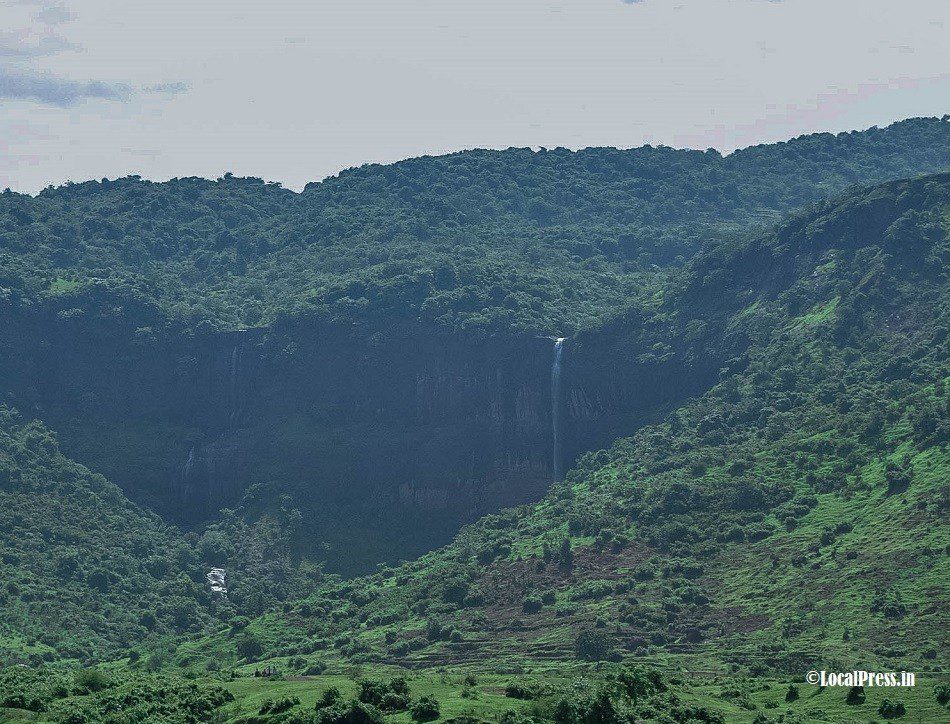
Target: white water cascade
point(216, 580)
point(556, 405)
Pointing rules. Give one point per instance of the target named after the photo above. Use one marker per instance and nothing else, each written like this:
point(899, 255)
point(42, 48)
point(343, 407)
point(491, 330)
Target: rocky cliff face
point(388, 442)
point(613, 386)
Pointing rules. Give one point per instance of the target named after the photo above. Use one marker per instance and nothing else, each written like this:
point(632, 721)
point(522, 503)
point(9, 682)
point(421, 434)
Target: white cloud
point(29, 44)
point(49, 89)
point(168, 89)
point(54, 14)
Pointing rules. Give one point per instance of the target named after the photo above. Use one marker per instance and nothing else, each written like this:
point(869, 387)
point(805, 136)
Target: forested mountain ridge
point(546, 241)
point(777, 500)
point(398, 372)
point(793, 515)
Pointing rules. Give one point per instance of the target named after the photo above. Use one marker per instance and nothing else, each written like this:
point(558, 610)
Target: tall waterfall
point(234, 392)
point(556, 405)
point(189, 466)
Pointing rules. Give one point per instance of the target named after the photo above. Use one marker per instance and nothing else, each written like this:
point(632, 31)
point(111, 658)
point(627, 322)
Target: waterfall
point(216, 580)
point(189, 465)
point(187, 482)
point(234, 393)
point(556, 405)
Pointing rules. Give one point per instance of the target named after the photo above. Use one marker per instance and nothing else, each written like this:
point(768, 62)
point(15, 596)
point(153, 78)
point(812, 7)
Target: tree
point(855, 696)
point(248, 646)
point(356, 712)
point(426, 709)
point(891, 709)
point(566, 555)
point(592, 645)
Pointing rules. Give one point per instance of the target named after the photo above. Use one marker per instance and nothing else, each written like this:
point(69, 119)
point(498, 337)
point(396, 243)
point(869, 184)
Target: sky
point(297, 91)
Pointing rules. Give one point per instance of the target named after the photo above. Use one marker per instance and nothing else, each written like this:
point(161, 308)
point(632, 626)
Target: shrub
point(248, 647)
point(638, 684)
point(514, 717)
point(888, 604)
point(600, 708)
point(426, 709)
point(434, 630)
point(315, 669)
point(20, 700)
point(855, 696)
point(356, 712)
point(296, 663)
point(329, 697)
point(891, 709)
point(278, 706)
point(89, 681)
point(592, 645)
point(525, 690)
point(393, 696)
point(532, 604)
point(566, 555)
point(898, 475)
point(644, 572)
point(565, 609)
point(372, 692)
point(392, 701)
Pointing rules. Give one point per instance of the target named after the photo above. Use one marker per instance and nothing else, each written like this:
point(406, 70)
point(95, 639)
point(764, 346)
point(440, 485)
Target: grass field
point(476, 696)
point(738, 699)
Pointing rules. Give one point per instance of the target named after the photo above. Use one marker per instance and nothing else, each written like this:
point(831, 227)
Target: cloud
point(168, 89)
point(50, 90)
point(54, 14)
point(27, 44)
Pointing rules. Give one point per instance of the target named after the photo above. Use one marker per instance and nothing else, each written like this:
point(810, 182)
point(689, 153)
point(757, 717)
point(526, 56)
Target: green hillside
point(547, 241)
point(792, 516)
point(86, 575)
point(784, 510)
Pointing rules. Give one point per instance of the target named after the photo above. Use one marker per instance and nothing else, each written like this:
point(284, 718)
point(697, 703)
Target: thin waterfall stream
point(556, 405)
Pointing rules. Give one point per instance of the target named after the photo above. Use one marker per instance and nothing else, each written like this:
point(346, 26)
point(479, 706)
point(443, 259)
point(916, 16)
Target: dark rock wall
point(388, 442)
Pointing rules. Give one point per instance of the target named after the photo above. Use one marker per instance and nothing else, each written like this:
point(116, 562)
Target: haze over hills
point(750, 411)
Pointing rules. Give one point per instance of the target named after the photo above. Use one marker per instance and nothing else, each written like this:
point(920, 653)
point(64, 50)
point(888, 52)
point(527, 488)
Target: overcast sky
point(296, 91)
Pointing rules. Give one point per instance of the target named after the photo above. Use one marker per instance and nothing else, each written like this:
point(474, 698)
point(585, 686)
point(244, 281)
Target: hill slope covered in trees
point(785, 514)
point(792, 516)
point(86, 574)
point(547, 241)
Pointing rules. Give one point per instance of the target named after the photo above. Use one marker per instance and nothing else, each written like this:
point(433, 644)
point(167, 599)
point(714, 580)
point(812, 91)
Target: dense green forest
point(546, 241)
point(790, 515)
